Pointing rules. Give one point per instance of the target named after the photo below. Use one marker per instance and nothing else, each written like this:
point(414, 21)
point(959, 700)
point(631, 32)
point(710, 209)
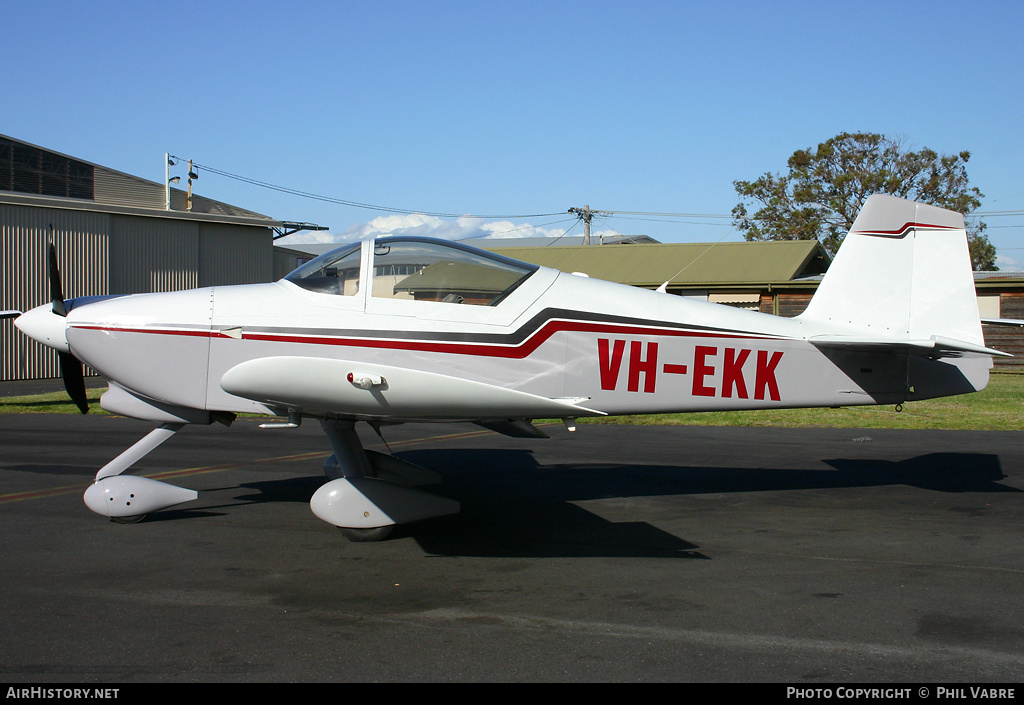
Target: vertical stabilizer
point(902, 273)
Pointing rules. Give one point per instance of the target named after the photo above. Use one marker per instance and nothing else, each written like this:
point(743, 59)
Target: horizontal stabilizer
point(1016, 322)
point(936, 346)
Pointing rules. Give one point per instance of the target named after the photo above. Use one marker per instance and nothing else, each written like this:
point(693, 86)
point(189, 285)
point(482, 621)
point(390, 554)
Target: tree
point(825, 188)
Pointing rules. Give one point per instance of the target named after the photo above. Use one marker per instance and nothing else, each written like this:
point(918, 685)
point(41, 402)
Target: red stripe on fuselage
point(499, 350)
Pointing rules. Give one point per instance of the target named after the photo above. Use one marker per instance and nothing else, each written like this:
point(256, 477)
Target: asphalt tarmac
point(615, 553)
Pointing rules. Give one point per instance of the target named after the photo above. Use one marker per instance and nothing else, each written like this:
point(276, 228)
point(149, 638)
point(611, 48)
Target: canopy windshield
point(431, 270)
point(334, 272)
point(417, 269)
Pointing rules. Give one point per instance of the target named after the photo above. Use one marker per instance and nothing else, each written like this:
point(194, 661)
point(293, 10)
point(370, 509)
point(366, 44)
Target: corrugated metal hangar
point(114, 234)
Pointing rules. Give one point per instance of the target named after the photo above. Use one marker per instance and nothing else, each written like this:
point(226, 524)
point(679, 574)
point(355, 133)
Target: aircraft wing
point(370, 390)
point(9, 314)
point(935, 346)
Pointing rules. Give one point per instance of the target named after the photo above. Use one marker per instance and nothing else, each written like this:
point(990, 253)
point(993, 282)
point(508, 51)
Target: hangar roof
point(36, 176)
point(688, 264)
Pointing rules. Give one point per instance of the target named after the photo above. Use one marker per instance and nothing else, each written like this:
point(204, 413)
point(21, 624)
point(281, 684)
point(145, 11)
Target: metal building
point(114, 234)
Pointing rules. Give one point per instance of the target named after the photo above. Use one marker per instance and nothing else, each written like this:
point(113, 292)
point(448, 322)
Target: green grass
point(999, 407)
point(53, 403)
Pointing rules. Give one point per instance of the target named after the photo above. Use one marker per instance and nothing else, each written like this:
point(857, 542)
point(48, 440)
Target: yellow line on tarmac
point(68, 489)
point(447, 437)
point(39, 494)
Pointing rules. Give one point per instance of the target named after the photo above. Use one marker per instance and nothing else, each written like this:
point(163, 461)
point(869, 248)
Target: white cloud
point(428, 226)
point(1007, 264)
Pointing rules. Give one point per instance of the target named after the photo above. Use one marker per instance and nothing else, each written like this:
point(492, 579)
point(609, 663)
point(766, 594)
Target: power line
point(357, 204)
point(583, 214)
point(676, 220)
point(671, 215)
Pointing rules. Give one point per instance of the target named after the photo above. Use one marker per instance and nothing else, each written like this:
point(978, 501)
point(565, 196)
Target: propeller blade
point(71, 368)
point(73, 372)
point(56, 291)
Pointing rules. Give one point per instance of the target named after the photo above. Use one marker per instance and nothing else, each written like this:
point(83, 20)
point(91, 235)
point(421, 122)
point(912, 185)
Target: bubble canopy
point(418, 269)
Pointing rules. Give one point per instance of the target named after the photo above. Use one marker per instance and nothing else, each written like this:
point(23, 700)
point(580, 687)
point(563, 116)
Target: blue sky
point(511, 109)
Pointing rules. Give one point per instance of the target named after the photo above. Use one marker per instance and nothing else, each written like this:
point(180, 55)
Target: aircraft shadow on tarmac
point(514, 507)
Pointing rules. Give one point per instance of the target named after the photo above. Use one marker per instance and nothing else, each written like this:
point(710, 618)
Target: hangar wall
point(111, 253)
point(114, 233)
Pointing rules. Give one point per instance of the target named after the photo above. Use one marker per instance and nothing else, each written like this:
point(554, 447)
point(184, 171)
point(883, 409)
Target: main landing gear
point(366, 495)
point(369, 492)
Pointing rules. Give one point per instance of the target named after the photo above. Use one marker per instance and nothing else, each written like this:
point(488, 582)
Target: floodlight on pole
point(168, 163)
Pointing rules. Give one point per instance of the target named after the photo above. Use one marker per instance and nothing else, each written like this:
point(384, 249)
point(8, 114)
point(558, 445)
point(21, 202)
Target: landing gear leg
point(365, 501)
point(127, 499)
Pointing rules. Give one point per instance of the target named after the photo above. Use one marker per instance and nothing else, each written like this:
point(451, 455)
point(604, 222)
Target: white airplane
point(412, 329)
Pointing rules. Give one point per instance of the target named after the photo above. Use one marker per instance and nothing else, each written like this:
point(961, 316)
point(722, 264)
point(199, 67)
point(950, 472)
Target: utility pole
point(585, 214)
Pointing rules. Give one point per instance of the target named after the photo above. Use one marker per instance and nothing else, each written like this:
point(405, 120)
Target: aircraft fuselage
point(609, 348)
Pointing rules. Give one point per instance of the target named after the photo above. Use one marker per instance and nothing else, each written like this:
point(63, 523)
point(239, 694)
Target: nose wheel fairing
point(127, 498)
